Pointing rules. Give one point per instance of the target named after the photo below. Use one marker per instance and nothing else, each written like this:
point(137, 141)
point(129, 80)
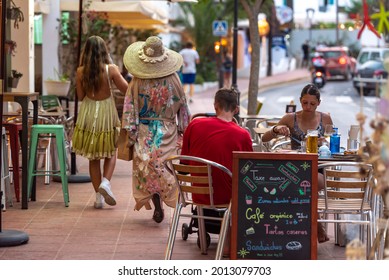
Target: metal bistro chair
point(196, 179)
point(348, 191)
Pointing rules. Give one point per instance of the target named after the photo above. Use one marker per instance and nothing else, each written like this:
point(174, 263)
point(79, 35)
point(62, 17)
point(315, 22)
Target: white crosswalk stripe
point(261, 99)
point(285, 99)
point(371, 100)
point(344, 99)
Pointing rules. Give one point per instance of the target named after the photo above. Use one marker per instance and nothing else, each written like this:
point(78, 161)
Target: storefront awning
point(127, 13)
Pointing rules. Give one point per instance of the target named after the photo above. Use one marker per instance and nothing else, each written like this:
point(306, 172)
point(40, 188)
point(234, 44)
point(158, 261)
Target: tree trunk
point(252, 13)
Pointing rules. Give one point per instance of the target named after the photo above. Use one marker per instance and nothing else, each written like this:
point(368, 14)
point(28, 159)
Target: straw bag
point(125, 151)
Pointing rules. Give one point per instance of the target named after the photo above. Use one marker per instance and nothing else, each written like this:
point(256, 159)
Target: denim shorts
point(188, 78)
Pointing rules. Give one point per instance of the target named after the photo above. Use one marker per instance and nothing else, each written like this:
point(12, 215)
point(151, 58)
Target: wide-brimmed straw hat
point(150, 59)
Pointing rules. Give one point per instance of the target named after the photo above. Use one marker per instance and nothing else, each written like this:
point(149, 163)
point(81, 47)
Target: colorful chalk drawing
point(249, 199)
point(246, 167)
point(304, 185)
point(262, 200)
point(305, 165)
point(250, 184)
point(294, 246)
point(300, 201)
point(256, 215)
point(302, 216)
point(294, 168)
point(250, 231)
point(242, 252)
point(272, 192)
point(284, 184)
point(289, 174)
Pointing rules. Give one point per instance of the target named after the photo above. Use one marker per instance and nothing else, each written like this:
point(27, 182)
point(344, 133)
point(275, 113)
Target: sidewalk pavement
point(80, 232)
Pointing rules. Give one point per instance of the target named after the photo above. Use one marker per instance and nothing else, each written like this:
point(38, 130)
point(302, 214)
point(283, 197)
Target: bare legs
point(95, 173)
point(191, 90)
point(95, 170)
point(109, 167)
point(227, 79)
point(101, 184)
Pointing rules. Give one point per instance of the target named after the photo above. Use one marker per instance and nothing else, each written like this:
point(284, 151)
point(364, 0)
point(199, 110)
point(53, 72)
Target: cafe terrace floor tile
point(81, 232)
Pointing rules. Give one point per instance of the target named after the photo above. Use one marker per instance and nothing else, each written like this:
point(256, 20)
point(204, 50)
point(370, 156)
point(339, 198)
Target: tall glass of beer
point(312, 144)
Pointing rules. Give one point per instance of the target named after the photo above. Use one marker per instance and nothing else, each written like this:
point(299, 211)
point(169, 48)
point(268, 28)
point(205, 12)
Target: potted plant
point(10, 47)
point(14, 13)
point(58, 86)
point(13, 80)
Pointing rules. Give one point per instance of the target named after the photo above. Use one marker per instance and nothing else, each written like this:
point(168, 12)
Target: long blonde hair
point(93, 59)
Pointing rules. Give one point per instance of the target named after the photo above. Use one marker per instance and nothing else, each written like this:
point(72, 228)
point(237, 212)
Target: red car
point(339, 62)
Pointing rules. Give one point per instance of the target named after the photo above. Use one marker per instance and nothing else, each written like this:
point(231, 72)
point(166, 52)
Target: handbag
point(125, 152)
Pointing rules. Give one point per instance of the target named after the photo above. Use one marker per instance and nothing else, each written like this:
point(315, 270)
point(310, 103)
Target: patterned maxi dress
point(163, 115)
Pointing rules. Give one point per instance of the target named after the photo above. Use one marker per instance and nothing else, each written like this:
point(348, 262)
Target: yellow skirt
point(97, 129)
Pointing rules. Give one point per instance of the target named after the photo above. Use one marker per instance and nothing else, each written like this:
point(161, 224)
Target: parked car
point(370, 76)
point(339, 62)
point(366, 54)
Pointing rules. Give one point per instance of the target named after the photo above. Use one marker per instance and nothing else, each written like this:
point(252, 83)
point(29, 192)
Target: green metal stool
point(57, 131)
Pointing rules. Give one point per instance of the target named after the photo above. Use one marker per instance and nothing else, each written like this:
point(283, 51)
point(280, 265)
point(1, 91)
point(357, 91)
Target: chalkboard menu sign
point(274, 206)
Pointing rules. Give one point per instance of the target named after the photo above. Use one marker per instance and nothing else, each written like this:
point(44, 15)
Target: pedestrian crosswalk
point(371, 100)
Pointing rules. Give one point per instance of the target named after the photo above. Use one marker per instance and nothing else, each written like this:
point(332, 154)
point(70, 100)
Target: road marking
point(344, 99)
point(371, 100)
point(285, 99)
point(261, 99)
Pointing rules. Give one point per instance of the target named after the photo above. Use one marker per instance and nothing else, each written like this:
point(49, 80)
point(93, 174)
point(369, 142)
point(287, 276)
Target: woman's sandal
point(158, 212)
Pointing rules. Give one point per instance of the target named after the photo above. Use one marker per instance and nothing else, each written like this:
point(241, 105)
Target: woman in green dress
point(98, 123)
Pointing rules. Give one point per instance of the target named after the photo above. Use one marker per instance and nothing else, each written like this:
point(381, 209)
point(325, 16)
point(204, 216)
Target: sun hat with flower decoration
point(150, 59)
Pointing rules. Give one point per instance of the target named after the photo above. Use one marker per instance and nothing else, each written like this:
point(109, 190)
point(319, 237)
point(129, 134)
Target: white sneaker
point(105, 191)
point(99, 203)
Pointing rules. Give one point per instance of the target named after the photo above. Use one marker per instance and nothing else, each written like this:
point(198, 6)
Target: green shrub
point(199, 79)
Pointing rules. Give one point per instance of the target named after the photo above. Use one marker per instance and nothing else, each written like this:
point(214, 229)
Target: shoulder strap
point(109, 80)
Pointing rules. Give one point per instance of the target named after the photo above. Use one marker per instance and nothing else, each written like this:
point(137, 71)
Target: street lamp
point(337, 21)
point(235, 51)
point(310, 12)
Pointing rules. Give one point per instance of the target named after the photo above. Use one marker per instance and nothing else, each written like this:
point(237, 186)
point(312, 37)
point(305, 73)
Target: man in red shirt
point(215, 138)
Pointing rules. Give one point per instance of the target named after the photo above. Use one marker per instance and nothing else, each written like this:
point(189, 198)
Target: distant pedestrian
point(191, 58)
point(227, 70)
point(305, 48)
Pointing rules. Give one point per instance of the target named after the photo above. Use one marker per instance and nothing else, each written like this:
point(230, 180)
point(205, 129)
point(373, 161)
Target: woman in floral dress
point(156, 119)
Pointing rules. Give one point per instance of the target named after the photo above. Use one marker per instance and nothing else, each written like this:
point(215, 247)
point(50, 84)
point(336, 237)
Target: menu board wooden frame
point(274, 206)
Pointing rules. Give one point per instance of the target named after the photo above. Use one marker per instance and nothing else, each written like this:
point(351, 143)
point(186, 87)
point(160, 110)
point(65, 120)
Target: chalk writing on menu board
point(274, 209)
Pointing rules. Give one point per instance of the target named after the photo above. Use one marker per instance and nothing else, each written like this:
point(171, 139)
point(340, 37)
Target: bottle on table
point(335, 142)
